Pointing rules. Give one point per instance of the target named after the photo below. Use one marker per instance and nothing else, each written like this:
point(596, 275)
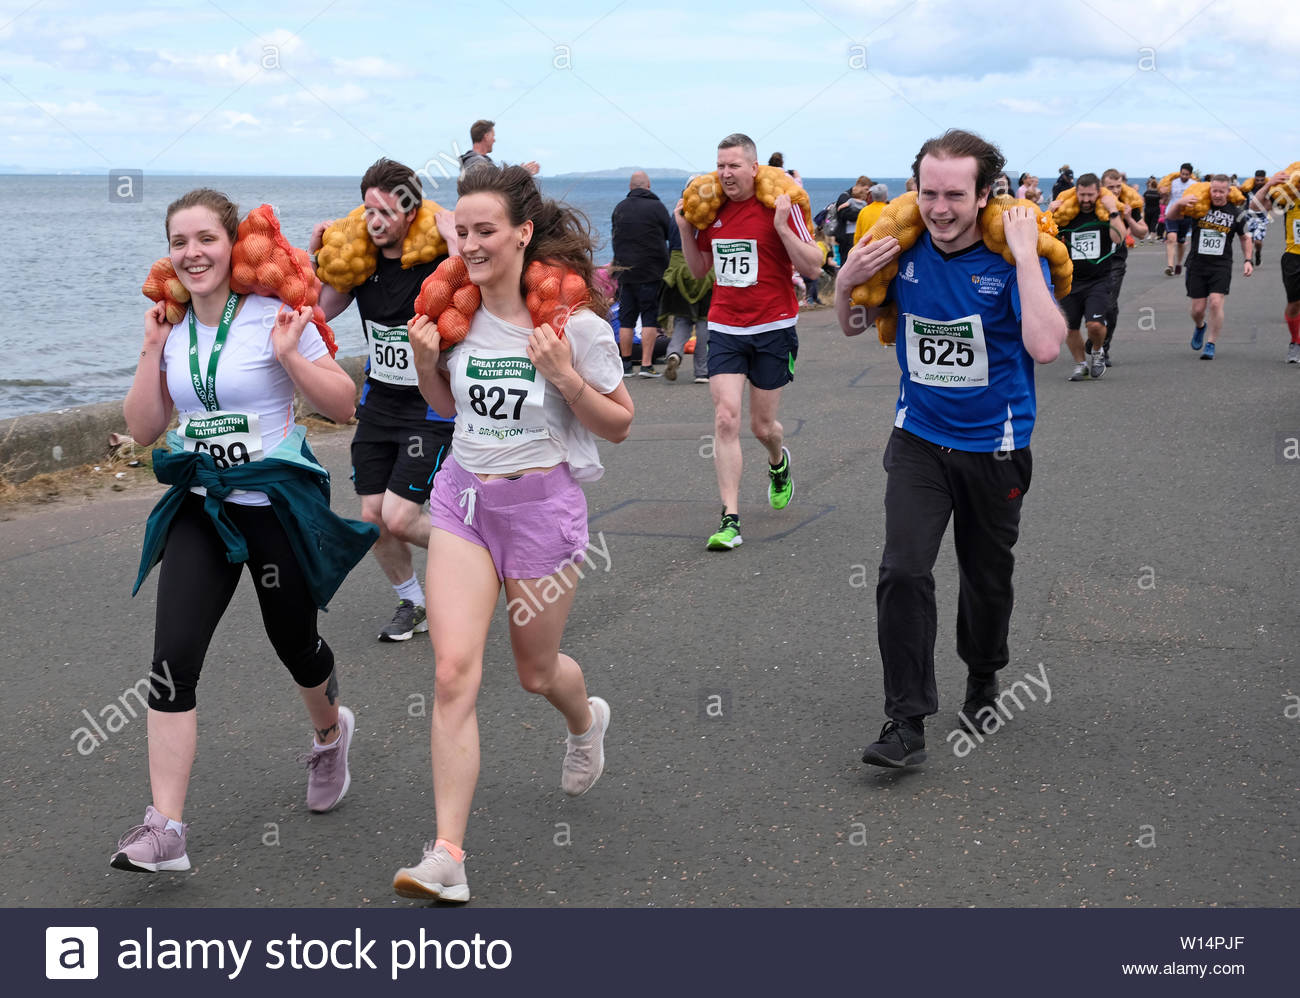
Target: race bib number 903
point(1211, 242)
point(946, 354)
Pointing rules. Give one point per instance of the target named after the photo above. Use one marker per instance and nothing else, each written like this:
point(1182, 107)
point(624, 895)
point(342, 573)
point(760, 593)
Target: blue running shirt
point(967, 381)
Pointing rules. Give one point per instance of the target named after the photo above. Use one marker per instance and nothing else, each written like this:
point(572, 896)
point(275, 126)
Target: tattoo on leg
point(332, 687)
point(323, 733)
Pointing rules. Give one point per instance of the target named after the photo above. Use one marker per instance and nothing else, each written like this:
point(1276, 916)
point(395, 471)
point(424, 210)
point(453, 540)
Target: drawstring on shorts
point(468, 497)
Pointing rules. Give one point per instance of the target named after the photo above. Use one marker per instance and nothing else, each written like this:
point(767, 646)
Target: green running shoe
point(728, 535)
point(779, 486)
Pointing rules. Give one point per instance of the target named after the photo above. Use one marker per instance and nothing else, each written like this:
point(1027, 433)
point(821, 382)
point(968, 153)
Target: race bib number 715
point(735, 262)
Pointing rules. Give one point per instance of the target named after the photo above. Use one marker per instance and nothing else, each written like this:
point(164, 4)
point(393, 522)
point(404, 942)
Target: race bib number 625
point(946, 354)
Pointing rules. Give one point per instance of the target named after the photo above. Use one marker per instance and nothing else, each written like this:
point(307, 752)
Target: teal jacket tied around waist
point(326, 545)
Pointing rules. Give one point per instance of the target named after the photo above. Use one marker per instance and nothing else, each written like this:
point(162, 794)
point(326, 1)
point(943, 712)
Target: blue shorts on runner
point(767, 359)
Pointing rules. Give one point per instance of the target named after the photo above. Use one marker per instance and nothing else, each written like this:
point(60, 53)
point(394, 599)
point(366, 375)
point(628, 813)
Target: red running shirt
point(753, 289)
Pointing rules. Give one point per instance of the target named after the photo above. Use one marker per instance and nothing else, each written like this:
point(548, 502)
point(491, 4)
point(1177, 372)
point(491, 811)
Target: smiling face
point(489, 244)
point(385, 220)
point(736, 172)
point(949, 202)
point(200, 251)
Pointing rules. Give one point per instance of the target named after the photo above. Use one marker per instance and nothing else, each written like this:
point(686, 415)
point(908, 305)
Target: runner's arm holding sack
point(148, 406)
point(1118, 228)
point(1174, 210)
point(434, 382)
point(699, 263)
point(864, 261)
point(322, 382)
point(608, 416)
point(1042, 326)
point(804, 253)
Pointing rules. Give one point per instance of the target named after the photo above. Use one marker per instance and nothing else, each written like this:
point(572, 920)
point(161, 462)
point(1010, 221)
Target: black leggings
point(195, 585)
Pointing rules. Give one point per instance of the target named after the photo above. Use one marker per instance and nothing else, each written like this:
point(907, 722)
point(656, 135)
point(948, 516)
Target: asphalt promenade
point(1156, 586)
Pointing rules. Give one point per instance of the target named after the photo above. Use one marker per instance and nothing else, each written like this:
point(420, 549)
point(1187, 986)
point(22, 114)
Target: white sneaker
point(436, 876)
point(1293, 353)
point(584, 756)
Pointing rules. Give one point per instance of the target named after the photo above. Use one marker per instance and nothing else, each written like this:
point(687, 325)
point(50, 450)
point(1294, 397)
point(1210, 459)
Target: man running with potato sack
point(970, 328)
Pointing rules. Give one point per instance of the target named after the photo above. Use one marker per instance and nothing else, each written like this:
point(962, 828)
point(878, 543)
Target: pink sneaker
point(151, 847)
point(328, 778)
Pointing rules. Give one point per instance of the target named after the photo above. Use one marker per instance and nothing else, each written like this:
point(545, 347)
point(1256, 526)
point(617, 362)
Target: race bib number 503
point(390, 354)
point(946, 354)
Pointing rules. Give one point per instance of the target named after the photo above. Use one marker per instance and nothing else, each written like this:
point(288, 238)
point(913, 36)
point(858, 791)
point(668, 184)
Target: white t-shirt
point(508, 416)
point(250, 382)
point(1177, 187)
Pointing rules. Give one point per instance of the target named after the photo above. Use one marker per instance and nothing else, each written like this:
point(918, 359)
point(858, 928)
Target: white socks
point(410, 589)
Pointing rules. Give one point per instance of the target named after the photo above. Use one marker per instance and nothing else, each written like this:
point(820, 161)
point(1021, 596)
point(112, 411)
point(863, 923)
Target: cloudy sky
point(841, 86)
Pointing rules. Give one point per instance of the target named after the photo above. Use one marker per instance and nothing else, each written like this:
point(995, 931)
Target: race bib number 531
point(946, 354)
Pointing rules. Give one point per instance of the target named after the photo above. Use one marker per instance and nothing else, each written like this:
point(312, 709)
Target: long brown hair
point(561, 234)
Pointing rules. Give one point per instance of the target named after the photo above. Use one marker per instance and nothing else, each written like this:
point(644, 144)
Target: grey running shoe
point(1293, 353)
point(409, 619)
point(1080, 371)
point(1097, 367)
point(671, 364)
point(151, 847)
point(648, 372)
point(899, 745)
point(584, 757)
point(436, 877)
point(328, 777)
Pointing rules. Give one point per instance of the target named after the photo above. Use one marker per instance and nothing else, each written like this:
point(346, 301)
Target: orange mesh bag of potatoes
point(1201, 191)
point(1068, 208)
point(1287, 194)
point(902, 220)
point(450, 298)
point(348, 255)
point(162, 285)
point(1130, 196)
point(1049, 247)
point(703, 197)
point(263, 263)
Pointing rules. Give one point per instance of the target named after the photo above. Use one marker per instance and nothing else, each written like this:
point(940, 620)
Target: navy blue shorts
point(399, 460)
point(1181, 227)
point(767, 359)
point(638, 300)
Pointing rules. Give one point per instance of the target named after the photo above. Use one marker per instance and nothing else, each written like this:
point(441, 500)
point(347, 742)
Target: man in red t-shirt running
point(751, 249)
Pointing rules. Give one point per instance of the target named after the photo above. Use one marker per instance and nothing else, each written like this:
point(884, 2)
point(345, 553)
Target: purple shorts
point(532, 526)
